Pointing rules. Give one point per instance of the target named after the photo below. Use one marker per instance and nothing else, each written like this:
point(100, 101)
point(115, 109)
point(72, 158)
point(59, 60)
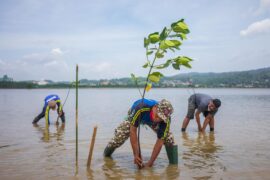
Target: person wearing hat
point(156, 115)
point(50, 102)
point(204, 104)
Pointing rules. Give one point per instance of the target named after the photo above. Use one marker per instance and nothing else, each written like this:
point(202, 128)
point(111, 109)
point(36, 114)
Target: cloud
point(264, 6)
point(37, 65)
point(96, 67)
point(2, 62)
point(257, 28)
point(57, 51)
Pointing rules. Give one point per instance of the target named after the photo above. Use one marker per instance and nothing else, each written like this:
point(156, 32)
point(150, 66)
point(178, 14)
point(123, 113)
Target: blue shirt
point(52, 97)
point(140, 114)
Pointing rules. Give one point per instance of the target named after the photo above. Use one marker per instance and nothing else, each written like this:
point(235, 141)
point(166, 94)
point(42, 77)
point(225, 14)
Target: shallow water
point(238, 149)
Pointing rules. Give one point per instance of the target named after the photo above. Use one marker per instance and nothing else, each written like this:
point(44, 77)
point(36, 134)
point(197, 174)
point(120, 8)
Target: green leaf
point(172, 43)
point(155, 77)
point(146, 64)
point(163, 34)
point(157, 74)
point(187, 65)
point(162, 66)
point(146, 42)
point(163, 45)
point(169, 43)
point(182, 36)
point(154, 37)
point(176, 43)
point(149, 52)
point(180, 26)
point(183, 61)
point(176, 66)
point(159, 55)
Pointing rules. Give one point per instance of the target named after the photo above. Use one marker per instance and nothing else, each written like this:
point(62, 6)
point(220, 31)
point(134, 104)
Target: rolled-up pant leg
point(41, 115)
point(169, 140)
point(63, 118)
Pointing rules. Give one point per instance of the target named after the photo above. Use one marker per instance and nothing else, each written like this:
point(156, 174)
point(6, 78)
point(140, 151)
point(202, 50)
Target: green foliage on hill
point(259, 78)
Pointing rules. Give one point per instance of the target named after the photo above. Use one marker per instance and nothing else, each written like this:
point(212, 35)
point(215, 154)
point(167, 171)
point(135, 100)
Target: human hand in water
point(138, 161)
point(60, 113)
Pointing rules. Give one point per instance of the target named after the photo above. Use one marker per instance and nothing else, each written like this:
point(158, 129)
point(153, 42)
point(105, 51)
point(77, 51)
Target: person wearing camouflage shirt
point(156, 115)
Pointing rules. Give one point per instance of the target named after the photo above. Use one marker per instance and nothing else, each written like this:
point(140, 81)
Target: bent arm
point(155, 153)
point(208, 118)
point(135, 147)
point(197, 116)
point(134, 140)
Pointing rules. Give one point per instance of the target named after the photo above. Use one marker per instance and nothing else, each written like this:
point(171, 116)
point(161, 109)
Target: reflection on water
point(46, 136)
point(113, 170)
point(201, 153)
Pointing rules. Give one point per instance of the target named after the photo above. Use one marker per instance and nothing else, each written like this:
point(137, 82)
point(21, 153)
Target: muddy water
point(238, 149)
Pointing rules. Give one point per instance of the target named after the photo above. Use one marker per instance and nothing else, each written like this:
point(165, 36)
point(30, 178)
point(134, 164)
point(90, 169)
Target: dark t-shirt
point(201, 103)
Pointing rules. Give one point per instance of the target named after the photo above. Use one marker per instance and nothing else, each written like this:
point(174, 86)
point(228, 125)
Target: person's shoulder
point(144, 103)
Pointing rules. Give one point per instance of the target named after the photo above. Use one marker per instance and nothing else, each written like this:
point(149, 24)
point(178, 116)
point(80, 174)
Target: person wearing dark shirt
point(201, 103)
point(50, 102)
point(156, 115)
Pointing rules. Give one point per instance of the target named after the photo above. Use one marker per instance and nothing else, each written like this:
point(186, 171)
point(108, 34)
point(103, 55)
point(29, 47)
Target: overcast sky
point(45, 39)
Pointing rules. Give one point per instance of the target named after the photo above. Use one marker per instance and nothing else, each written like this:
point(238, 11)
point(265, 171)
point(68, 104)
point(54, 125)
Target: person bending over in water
point(204, 104)
point(156, 115)
point(50, 102)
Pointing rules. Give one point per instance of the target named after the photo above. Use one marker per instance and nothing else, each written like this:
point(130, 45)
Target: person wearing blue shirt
point(156, 115)
point(50, 102)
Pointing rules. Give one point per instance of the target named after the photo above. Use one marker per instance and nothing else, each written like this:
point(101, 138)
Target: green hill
point(259, 78)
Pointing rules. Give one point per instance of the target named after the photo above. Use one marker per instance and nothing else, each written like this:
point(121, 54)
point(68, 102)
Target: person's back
point(52, 97)
point(143, 109)
point(202, 101)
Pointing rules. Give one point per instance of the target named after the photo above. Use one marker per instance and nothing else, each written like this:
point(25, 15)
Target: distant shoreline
point(259, 78)
point(142, 88)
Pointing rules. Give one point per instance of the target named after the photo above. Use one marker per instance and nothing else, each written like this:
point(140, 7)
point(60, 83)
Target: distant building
point(42, 82)
point(104, 82)
point(5, 78)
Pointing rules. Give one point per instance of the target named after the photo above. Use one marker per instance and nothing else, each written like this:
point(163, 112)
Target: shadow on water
point(201, 155)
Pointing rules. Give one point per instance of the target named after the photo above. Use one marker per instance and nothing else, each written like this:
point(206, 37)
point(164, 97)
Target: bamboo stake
point(91, 147)
point(77, 70)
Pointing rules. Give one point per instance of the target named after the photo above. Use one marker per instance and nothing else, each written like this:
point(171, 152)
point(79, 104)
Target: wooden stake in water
point(77, 70)
point(91, 147)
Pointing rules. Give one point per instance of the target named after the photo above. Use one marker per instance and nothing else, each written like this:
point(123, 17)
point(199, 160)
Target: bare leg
point(185, 124)
point(212, 124)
